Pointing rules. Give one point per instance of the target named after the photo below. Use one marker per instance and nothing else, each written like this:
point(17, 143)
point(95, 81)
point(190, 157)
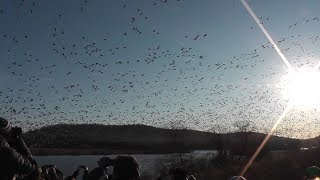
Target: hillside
point(85, 138)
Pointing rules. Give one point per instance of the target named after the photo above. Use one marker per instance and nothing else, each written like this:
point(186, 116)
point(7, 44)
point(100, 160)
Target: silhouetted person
point(100, 172)
point(15, 157)
point(51, 172)
point(125, 168)
point(76, 173)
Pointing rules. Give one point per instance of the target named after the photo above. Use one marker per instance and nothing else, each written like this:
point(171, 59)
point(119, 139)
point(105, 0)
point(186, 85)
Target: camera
point(16, 131)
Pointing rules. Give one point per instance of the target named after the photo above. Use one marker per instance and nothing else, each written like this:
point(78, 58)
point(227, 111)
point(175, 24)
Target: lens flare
point(264, 142)
point(302, 88)
point(265, 32)
point(284, 59)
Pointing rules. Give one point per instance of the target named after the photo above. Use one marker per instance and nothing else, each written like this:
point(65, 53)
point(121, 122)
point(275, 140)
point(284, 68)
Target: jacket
point(12, 162)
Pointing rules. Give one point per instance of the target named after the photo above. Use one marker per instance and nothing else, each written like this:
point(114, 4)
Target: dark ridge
point(110, 139)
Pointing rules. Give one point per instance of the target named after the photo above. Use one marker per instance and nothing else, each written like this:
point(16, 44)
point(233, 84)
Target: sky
point(202, 65)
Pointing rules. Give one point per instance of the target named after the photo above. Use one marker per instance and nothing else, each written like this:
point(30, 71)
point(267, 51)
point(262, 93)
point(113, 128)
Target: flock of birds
point(165, 84)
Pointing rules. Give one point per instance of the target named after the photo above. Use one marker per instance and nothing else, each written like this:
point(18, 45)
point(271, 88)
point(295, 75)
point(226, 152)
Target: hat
point(313, 171)
point(5, 126)
point(105, 162)
point(125, 167)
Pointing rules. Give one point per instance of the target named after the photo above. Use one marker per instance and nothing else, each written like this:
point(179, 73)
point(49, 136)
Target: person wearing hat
point(51, 172)
point(125, 168)
point(100, 172)
point(15, 157)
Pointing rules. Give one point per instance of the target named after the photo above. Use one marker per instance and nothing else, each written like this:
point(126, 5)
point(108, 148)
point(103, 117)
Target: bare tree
point(218, 129)
point(178, 127)
point(244, 127)
point(220, 142)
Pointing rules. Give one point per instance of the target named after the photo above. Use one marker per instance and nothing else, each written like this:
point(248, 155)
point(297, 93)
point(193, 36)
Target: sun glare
point(302, 88)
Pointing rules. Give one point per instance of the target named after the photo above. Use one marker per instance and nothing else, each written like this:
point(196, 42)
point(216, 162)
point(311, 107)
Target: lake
point(149, 162)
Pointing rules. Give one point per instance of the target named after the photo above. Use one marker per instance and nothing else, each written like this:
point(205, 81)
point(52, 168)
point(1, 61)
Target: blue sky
point(203, 63)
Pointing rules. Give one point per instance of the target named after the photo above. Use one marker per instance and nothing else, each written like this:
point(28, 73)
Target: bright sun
point(303, 88)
